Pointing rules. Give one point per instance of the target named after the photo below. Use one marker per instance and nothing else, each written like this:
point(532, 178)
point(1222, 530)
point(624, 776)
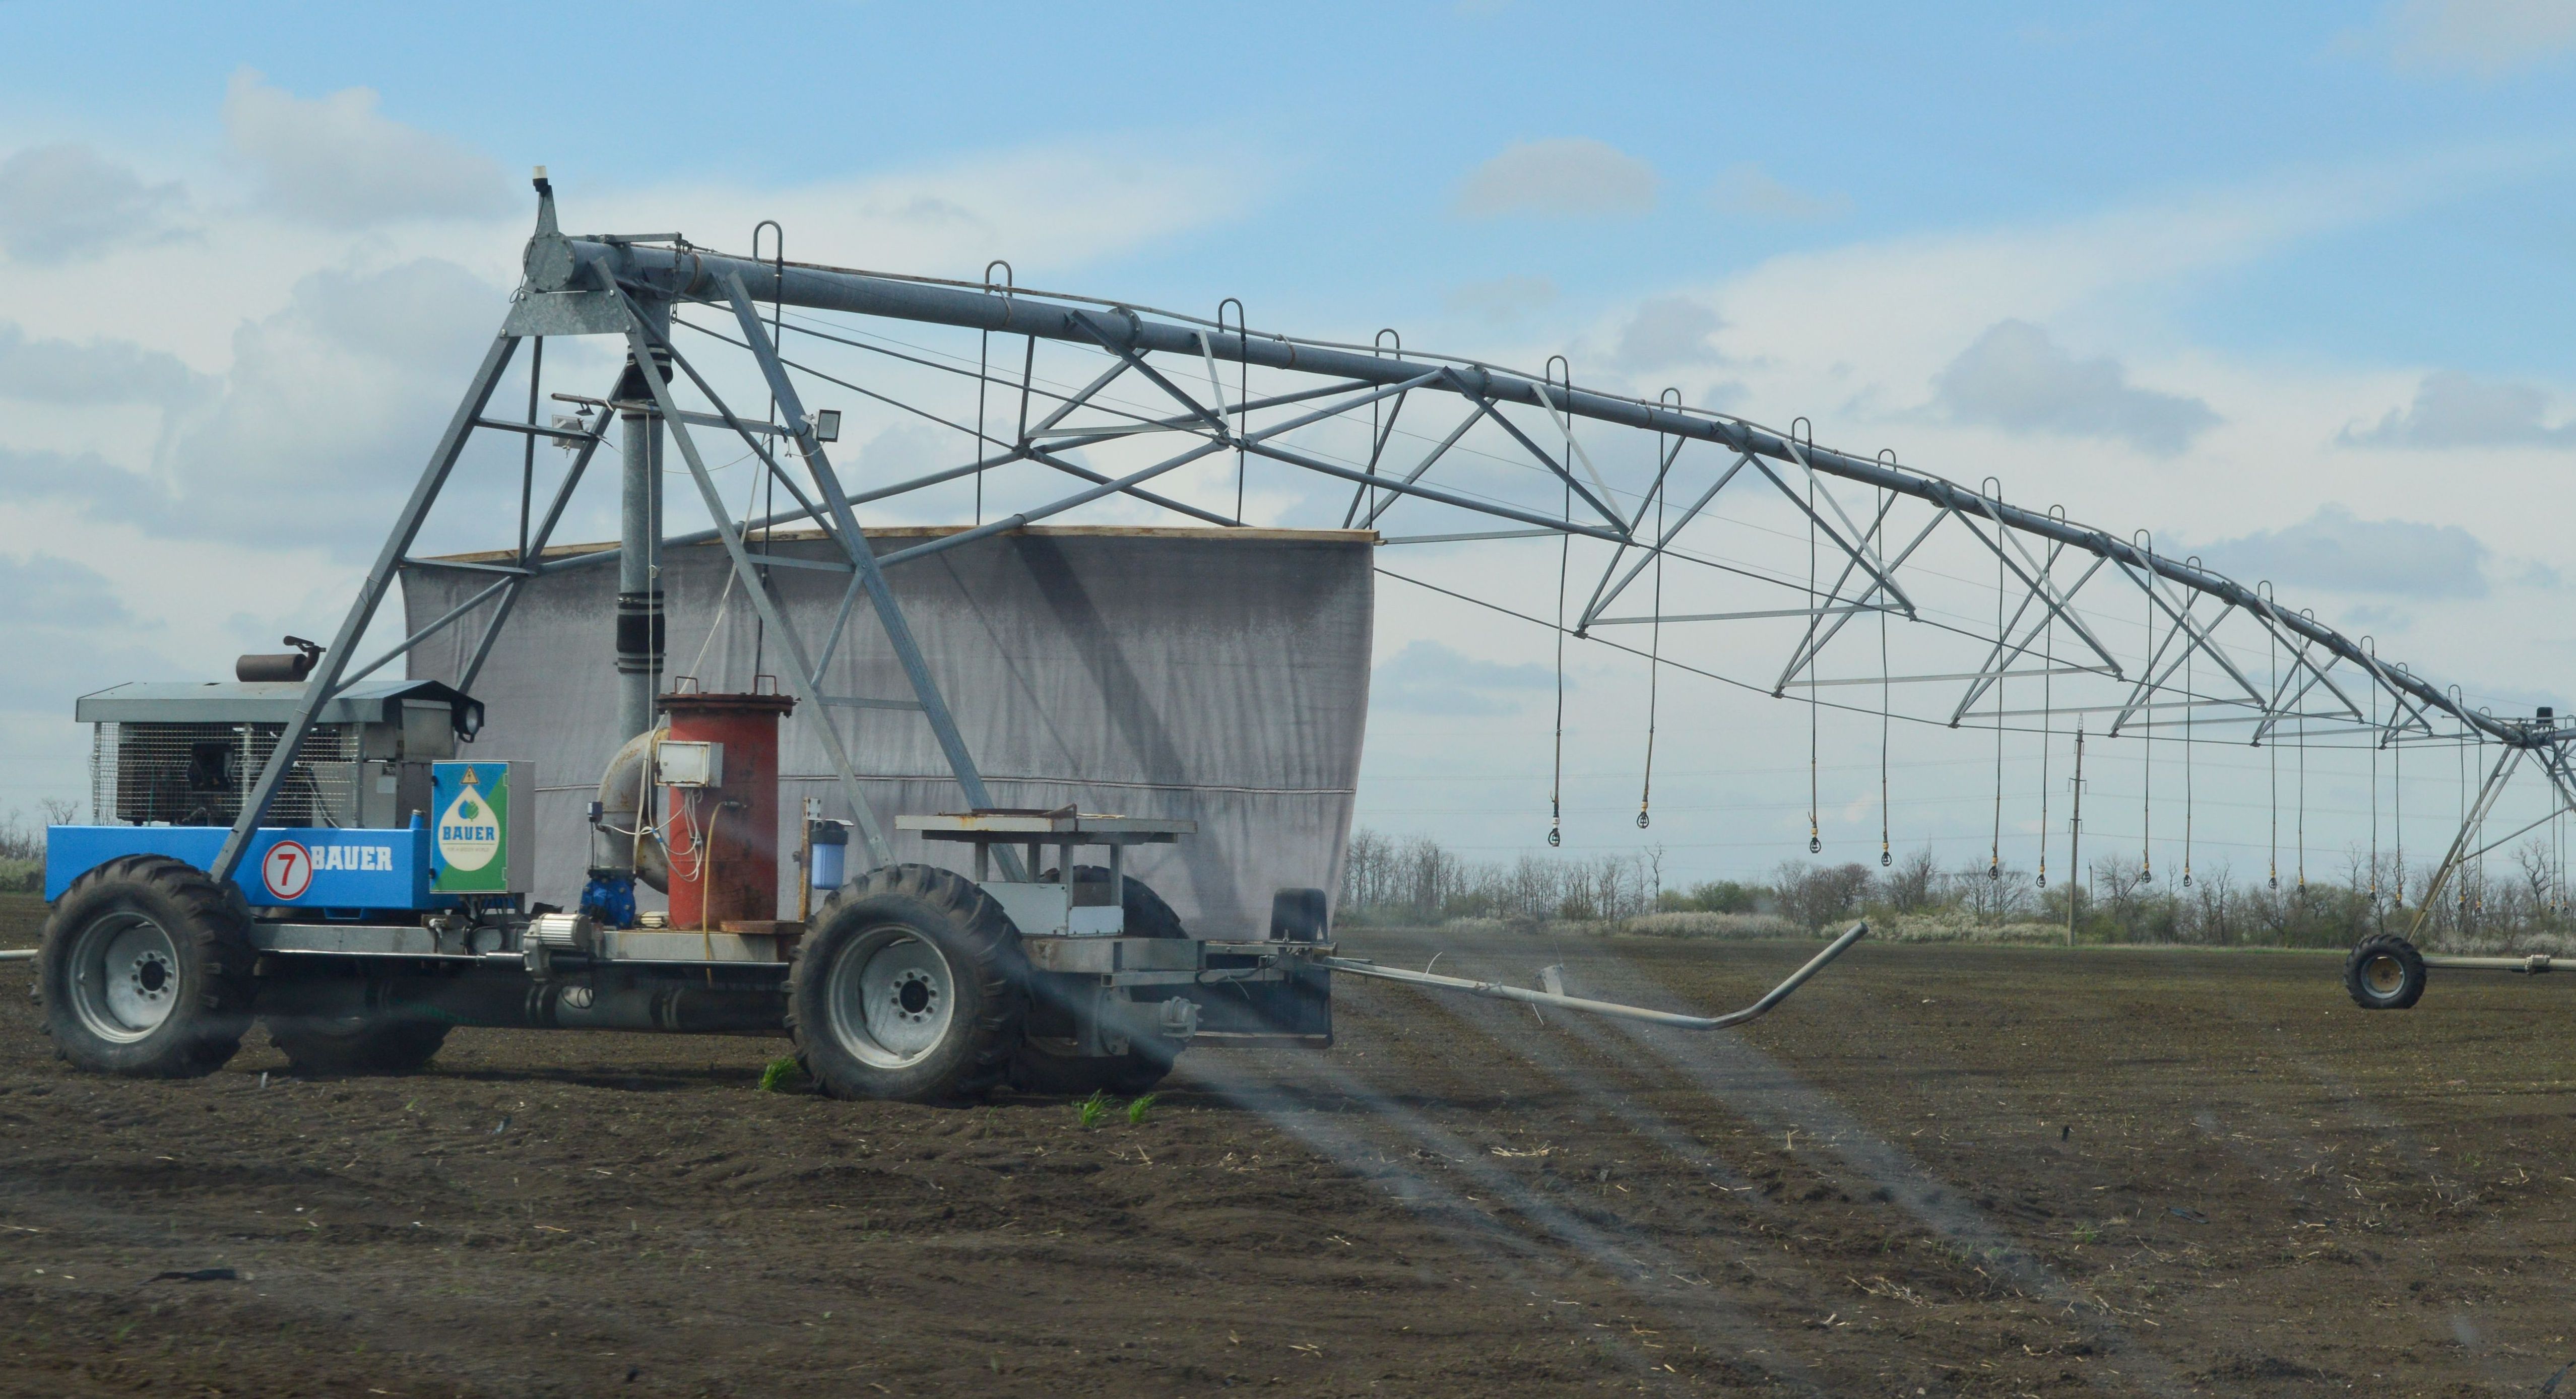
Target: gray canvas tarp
point(1218, 675)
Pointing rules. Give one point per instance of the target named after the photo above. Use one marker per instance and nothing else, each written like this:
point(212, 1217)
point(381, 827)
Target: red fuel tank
point(723, 837)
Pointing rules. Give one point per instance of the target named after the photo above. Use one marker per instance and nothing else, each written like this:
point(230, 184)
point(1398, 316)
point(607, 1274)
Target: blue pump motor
point(609, 899)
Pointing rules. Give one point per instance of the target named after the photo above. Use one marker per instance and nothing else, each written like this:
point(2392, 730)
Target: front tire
point(909, 985)
point(147, 970)
point(2384, 973)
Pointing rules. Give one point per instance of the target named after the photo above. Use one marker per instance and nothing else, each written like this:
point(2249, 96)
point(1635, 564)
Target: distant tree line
point(1416, 880)
point(22, 845)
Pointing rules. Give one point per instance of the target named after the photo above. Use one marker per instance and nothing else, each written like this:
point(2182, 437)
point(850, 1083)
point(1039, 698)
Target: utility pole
point(2075, 842)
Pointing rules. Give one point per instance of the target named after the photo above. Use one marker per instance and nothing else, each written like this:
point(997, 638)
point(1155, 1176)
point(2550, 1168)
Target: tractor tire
point(2384, 973)
point(357, 1047)
point(147, 970)
point(909, 985)
point(1037, 1068)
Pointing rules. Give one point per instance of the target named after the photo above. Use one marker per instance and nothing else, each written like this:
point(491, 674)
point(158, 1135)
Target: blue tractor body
point(320, 869)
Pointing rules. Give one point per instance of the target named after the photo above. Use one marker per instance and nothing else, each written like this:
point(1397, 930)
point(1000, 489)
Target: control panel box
point(688, 763)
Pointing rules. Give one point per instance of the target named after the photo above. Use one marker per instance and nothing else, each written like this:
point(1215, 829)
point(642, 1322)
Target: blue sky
point(1361, 119)
point(2347, 233)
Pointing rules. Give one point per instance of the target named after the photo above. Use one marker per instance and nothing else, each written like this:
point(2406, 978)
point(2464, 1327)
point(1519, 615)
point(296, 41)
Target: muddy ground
point(1938, 1171)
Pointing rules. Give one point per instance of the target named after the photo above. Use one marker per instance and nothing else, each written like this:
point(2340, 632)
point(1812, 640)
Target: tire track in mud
point(1749, 1087)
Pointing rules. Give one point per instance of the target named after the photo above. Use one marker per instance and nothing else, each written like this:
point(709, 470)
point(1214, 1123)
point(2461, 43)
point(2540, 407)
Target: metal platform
point(1011, 826)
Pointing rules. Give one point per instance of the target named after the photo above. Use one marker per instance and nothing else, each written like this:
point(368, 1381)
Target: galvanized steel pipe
point(696, 274)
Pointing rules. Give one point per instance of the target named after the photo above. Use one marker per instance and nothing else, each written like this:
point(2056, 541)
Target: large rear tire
point(909, 985)
point(2384, 973)
point(377, 1043)
point(147, 970)
point(1043, 1066)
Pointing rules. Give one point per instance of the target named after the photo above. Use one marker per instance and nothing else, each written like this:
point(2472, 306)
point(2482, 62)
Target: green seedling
point(1136, 1110)
point(2088, 1233)
point(781, 1075)
point(1090, 1110)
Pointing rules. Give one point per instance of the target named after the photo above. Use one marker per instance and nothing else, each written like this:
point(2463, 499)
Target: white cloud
point(2014, 376)
point(1046, 208)
point(1564, 176)
point(2480, 38)
point(338, 162)
point(2453, 410)
point(1919, 297)
point(1749, 190)
point(48, 591)
point(2338, 552)
point(68, 203)
point(99, 371)
point(1500, 299)
point(317, 430)
point(1427, 677)
point(1668, 330)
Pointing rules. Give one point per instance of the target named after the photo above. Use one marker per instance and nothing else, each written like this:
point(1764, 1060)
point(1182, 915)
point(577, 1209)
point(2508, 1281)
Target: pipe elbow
point(622, 840)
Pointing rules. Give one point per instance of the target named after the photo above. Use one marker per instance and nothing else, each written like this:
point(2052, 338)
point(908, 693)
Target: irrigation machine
point(312, 847)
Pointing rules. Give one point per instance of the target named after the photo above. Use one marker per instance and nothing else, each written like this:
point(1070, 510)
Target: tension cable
point(2273, 674)
point(1556, 781)
point(2377, 738)
point(2003, 663)
point(2047, 702)
point(1655, 637)
point(2147, 735)
point(1815, 831)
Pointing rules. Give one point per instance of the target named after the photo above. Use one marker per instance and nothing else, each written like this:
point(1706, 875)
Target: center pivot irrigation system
point(361, 937)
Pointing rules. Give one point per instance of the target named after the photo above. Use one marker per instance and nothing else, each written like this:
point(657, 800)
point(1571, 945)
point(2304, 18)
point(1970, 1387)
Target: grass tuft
point(782, 1075)
point(1136, 1110)
point(1091, 1110)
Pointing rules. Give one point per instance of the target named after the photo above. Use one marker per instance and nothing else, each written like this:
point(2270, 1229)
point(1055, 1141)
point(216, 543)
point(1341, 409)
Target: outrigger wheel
point(909, 984)
point(147, 970)
point(1041, 1066)
point(2384, 973)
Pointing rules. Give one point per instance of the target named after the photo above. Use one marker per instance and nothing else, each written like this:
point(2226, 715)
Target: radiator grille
point(199, 774)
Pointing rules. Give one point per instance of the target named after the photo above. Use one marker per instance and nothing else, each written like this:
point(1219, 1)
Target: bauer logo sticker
point(472, 828)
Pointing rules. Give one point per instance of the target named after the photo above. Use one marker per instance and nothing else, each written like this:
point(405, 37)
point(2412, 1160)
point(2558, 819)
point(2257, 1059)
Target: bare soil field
point(1937, 1171)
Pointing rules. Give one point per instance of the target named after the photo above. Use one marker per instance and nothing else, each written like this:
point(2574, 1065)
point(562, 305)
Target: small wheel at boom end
point(2384, 973)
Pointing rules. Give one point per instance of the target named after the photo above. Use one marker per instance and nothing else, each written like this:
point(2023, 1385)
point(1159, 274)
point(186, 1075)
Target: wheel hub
point(913, 996)
point(2385, 975)
point(892, 997)
point(125, 978)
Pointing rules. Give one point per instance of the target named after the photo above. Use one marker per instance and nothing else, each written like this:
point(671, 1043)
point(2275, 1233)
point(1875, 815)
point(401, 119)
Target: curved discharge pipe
point(618, 841)
point(1504, 992)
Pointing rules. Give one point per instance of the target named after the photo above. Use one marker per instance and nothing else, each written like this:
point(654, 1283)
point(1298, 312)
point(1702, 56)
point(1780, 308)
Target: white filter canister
point(831, 860)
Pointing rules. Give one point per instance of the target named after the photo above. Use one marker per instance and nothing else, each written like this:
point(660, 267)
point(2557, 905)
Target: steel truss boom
point(693, 273)
point(1857, 562)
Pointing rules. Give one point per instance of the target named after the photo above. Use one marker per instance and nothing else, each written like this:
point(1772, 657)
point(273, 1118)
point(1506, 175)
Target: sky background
point(2289, 285)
